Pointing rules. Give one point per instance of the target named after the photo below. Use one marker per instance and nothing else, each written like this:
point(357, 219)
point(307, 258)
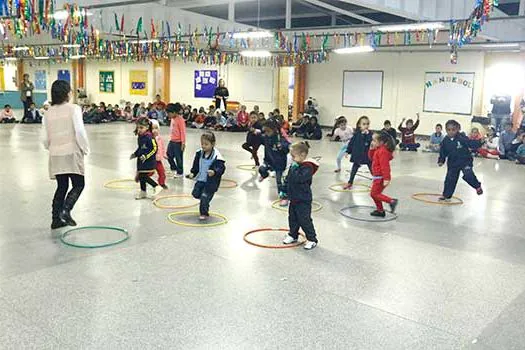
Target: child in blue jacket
point(299, 182)
point(358, 147)
point(275, 156)
point(455, 151)
point(146, 157)
point(208, 168)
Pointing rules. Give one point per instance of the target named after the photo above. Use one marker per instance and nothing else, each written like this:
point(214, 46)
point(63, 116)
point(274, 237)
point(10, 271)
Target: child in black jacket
point(300, 195)
point(313, 130)
point(455, 150)
point(146, 157)
point(254, 137)
point(358, 147)
point(208, 168)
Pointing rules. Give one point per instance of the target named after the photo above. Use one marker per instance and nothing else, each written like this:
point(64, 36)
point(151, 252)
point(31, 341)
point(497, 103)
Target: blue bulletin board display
point(40, 80)
point(205, 83)
point(64, 74)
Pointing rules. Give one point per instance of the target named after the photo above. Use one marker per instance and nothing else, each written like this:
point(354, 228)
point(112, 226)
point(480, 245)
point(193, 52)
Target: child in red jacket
point(381, 154)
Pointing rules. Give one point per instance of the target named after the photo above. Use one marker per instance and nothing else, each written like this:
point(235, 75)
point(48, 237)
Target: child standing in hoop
point(358, 147)
point(145, 154)
point(381, 154)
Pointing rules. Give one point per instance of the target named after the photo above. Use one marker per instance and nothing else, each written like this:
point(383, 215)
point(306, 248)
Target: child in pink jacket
point(161, 153)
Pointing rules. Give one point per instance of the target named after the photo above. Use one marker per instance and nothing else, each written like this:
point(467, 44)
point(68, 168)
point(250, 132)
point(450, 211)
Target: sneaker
point(178, 176)
point(283, 203)
point(203, 217)
point(444, 199)
point(310, 245)
point(378, 214)
point(348, 187)
point(141, 195)
point(289, 240)
point(393, 205)
point(157, 190)
point(479, 191)
point(164, 187)
point(261, 179)
point(337, 170)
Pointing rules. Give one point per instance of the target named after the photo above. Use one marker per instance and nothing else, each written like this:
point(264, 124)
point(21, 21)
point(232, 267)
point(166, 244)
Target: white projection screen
point(448, 92)
point(363, 89)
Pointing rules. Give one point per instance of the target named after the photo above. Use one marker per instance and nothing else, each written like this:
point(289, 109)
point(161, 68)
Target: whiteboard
point(258, 86)
point(449, 92)
point(363, 89)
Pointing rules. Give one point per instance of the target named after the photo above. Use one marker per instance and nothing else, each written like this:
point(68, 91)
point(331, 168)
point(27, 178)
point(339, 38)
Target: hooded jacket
point(381, 158)
point(218, 166)
point(456, 150)
point(358, 147)
point(275, 151)
point(299, 181)
point(147, 147)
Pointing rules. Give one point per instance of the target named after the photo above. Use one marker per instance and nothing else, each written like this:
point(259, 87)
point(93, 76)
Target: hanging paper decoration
point(139, 27)
point(117, 27)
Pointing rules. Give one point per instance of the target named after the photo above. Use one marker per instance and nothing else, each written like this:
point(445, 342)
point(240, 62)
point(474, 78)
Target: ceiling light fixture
point(62, 15)
point(77, 57)
point(355, 49)
point(41, 58)
point(71, 46)
point(148, 41)
point(256, 53)
point(252, 35)
point(21, 48)
point(500, 45)
point(411, 27)
point(11, 58)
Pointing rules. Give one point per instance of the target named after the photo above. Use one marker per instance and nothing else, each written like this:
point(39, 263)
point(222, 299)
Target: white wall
point(51, 71)
point(403, 87)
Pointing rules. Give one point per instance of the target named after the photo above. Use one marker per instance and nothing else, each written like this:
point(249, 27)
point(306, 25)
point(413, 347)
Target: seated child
point(198, 123)
point(387, 127)
point(231, 122)
point(520, 153)
point(515, 144)
point(262, 118)
point(476, 140)
point(408, 136)
point(7, 115)
point(435, 140)
point(505, 140)
point(301, 130)
point(45, 108)
point(32, 115)
point(211, 120)
point(127, 114)
point(313, 130)
point(296, 124)
point(489, 149)
point(243, 119)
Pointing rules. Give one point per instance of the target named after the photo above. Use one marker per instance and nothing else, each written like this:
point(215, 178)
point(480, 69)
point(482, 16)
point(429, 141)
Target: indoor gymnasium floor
point(439, 277)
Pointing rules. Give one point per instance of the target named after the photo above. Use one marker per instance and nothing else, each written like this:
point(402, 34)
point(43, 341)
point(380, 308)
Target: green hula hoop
point(85, 246)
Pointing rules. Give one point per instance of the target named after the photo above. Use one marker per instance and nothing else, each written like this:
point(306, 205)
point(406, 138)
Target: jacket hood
point(312, 163)
point(216, 154)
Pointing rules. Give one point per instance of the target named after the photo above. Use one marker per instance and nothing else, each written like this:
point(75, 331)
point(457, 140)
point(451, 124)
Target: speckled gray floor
point(437, 278)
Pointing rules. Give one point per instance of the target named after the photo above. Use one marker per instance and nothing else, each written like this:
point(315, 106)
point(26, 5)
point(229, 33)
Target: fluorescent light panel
point(411, 27)
point(71, 46)
point(76, 57)
point(41, 58)
point(147, 41)
point(21, 48)
point(252, 35)
point(355, 49)
point(501, 45)
point(256, 53)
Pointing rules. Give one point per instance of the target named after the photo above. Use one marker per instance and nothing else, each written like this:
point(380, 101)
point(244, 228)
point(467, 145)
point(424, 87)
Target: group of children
point(31, 116)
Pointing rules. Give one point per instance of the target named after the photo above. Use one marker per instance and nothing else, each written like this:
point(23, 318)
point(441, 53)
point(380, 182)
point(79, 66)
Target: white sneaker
point(177, 176)
point(289, 240)
point(157, 190)
point(283, 203)
point(141, 195)
point(310, 245)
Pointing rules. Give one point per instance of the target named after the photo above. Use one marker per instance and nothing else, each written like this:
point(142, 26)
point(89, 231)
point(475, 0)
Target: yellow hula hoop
point(417, 197)
point(335, 188)
point(275, 205)
point(247, 167)
point(216, 215)
point(114, 184)
point(157, 203)
point(232, 183)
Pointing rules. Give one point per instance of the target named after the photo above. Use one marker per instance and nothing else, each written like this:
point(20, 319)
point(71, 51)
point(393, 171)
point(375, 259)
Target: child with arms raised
point(408, 136)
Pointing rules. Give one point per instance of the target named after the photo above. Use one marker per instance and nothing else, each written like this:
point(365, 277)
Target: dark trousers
point(27, 103)
point(144, 178)
point(264, 171)
point(253, 150)
point(300, 217)
point(451, 180)
point(355, 168)
point(199, 192)
point(175, 157)
point(409, 146)
point(64, 200)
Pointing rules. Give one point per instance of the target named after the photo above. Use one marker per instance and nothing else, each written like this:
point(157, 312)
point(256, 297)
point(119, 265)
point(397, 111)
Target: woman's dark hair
point(453, 123)
point(359, 121)
point(385, 138)
point(60, 92)
point(209, 136)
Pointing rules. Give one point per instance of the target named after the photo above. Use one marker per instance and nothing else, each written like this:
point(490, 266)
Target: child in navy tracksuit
point(146, 157)
point(455, 150)
point(358, 147)
point(275, 156)
point(299, 182)
point(254, 137)
point(208, 168)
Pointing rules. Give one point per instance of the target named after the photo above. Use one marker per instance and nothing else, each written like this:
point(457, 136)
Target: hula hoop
point(232, 183)
point(275, 205)
point(417, 197)
point(114, 184)
point(247, 167)
point(85, 246)
point(355, 190)
point(215, 215)
point(156, 202)
point(287, 246)
point(389, 216)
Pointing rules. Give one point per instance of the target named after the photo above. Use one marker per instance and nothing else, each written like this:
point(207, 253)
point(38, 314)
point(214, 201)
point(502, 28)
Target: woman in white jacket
point(66, 140)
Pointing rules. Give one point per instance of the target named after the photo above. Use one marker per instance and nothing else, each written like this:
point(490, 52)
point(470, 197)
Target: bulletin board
point(263, 89)
point(449, 92)
point(363, 89)
point(205, 83)
point(40, 80)
point(106, 81)
point(64, 74)
point(138, 80)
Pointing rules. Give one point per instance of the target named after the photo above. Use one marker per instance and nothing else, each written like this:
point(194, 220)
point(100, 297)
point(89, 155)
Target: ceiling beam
point(341, 11)
point(281, 17)
point(379, 5)
point(184, 4)
point(288, 19)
